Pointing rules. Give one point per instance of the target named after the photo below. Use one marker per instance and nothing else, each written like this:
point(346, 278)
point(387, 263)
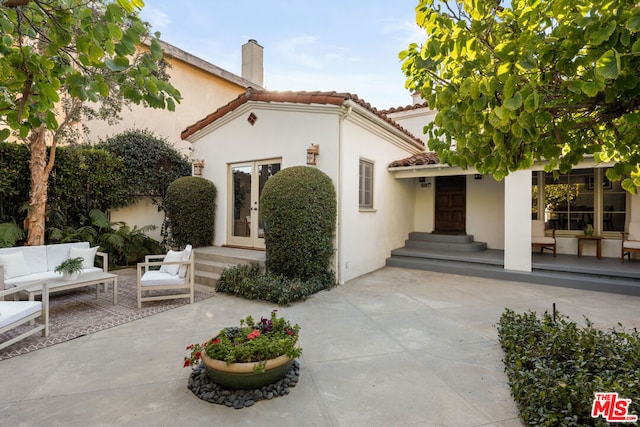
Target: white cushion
point(634, 231)
point(159, 278)
point(632, 244)
point(88, 255)
point(186, 254)
point(12, 311)
point(172, 256)
point(35, 256)
point(543, 240)
point(537, 228)
point(15, 265)
point(59, 252)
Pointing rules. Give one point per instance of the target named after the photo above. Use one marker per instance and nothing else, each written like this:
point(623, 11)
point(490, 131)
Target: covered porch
point(565, 270)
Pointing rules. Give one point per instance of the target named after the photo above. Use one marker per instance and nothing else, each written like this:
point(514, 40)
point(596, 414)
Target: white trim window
point(579, 198)
point(365, 186)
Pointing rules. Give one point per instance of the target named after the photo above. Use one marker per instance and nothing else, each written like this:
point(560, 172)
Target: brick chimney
point(252, 68)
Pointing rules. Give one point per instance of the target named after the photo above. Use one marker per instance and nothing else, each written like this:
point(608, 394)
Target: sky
point(327, 45)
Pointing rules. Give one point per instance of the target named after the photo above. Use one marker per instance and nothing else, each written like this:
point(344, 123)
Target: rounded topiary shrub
point(299, 207)
point(191, 211)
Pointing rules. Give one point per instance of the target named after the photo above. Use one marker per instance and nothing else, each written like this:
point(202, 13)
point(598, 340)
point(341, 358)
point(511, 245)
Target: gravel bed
point(201, 385)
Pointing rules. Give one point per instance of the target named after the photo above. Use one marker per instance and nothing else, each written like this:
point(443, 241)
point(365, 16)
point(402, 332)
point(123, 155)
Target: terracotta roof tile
point(405, 108)
point(300, 97)
point(426, 158)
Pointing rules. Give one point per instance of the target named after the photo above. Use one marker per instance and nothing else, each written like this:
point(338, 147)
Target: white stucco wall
point(275, 134)
point(517, 221)
point(414, 120)
point(485, 211)
point(368, 236)
point(364, 238)
point(424, 212)
point(140, 214)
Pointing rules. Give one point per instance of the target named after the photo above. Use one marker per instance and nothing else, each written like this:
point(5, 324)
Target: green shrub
point(249, 281)
point(125, 245)
point(85, 178)
point(14, 181)
point(191, 211)
point(554, 367)
point(299, 207)
point(151, 163)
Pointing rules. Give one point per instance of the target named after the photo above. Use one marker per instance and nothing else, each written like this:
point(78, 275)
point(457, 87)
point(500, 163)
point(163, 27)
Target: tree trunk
point(40, 170)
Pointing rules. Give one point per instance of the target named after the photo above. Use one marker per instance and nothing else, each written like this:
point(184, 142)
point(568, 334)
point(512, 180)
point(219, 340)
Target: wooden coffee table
point(597, 239)
point(85, 279)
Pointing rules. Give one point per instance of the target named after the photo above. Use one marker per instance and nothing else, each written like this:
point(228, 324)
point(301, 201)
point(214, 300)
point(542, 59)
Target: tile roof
point(300, 97)
point(405, 108)
point(426, 158)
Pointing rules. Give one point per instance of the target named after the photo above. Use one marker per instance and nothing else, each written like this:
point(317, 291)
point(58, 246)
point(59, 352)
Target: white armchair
point(15, 313)
point(631, 240)
point(539, 239)
point(175, 274)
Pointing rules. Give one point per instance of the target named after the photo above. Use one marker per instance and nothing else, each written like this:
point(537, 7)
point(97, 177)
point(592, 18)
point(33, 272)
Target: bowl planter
point(70, 268)
point(249, 356)
point(244, 375)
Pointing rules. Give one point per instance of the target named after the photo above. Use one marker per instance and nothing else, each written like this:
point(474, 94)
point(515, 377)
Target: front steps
point(444, 242)
point(460, 255)
point(210, 261)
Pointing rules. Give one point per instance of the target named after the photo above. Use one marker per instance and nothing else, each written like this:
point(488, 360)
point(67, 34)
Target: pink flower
point(253, 335)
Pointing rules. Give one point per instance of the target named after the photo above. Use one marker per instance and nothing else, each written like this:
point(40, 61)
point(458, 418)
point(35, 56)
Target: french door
point(246, 180)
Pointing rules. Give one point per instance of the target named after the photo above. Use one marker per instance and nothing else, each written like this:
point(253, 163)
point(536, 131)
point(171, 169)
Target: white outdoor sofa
point(28, 264)
point(17, 313)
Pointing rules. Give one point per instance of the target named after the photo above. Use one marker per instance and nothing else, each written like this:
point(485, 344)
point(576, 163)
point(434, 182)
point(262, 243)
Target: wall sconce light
point(477, 176)
point(198, 165)
point(312, 153)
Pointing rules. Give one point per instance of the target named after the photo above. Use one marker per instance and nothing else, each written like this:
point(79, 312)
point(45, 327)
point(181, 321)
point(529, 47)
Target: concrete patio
point(396, 347)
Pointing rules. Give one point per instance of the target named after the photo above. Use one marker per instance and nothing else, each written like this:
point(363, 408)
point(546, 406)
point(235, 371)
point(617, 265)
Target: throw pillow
point(172, 256)
point(14, 265)
point(88, 255)
point(185, 257)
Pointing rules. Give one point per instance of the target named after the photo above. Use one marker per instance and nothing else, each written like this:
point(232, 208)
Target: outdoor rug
point(76, 313)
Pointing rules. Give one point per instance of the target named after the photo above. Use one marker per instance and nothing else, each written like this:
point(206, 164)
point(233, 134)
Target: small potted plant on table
point(250, 355)
point(70, 268)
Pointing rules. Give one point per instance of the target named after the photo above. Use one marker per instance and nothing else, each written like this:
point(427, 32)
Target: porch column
point(517, 221)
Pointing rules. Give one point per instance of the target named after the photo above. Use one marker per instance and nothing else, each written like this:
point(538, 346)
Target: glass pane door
point(241, 200)
point(246, 181)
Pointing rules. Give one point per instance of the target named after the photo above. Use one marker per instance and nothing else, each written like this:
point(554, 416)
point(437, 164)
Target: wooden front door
point(450, 217)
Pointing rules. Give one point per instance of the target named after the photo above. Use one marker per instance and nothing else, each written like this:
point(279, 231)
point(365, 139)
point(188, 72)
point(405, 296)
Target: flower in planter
point(250, 342)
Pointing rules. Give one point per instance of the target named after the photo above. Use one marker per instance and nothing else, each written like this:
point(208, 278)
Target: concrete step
point(214, 266)
point(206, 278)
point(488, 256)
point(210, 265)
point(445, 238)
point(602, 283)
point(447, 246)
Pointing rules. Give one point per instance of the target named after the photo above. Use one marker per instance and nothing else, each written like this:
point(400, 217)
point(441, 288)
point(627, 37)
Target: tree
point(553, 80)
point(65, 60)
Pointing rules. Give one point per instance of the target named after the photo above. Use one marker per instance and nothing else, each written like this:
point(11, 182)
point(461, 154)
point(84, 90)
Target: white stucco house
point(387, 185)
